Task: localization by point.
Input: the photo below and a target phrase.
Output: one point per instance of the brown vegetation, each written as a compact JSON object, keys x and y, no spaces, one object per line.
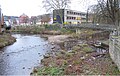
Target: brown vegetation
{"x":6,"y":39}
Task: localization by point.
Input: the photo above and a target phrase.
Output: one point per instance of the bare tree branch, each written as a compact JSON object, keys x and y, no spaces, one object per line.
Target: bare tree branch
{"x":56,"y":5}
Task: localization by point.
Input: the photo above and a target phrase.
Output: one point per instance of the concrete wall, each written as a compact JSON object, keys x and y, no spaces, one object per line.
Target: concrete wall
{"x":114,"y":49}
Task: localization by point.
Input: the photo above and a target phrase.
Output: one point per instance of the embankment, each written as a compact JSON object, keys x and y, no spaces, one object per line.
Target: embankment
{"x":6,"y":39}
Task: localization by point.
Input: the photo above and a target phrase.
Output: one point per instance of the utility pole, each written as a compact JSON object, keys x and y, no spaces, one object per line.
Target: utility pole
{"x":118,"y":1}
{"x":0,"y":18}
{"x":87,"y":15}
{"x":117,"y":23}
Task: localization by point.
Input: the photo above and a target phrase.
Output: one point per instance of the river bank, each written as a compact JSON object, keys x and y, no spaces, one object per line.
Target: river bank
{"x":6,"y":39}
{"x":76,"y":57}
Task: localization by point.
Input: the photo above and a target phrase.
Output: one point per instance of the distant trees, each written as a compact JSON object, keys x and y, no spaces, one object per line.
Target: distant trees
{"x":107,"y":11}
{"x":97,"y":14}
{"x":45,"y":18}
{"x":33,"y":20}
{"x":56,"y":4}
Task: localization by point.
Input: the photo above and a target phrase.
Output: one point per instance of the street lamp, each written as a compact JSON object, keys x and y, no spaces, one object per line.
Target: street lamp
{"x":119,"y":3}
{"x":0,"y":17}
{"x":117,"y":23}
{"x":87,"y":15}
{"x":118,"y":17}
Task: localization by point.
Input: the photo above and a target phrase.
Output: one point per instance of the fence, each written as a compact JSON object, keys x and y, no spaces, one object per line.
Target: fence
{"x":93,"y":26}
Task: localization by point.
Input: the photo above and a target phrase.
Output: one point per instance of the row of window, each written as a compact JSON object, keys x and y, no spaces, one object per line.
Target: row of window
{"x":72,"y":22}
{"x":73,"y":18}
{"x":75,"y":13}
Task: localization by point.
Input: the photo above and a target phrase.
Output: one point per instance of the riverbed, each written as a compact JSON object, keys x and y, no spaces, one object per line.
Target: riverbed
{"x":21,"y":57}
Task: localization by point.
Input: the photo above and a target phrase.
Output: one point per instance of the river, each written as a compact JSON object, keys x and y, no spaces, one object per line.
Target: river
{"x":22,"y":56}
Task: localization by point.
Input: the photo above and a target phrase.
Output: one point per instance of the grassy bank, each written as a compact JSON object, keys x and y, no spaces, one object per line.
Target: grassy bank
{"x":42,"y":29}
{"x":6,"y":39}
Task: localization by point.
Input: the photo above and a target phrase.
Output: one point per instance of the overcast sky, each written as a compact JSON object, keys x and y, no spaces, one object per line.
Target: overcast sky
{"x":34,"y":7}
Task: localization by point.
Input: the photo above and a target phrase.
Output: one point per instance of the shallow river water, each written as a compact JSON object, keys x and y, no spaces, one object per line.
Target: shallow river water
{"x":22,"y":56}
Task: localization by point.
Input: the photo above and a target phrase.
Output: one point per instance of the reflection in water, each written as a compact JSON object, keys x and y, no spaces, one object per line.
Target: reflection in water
{"x":23,"y":55}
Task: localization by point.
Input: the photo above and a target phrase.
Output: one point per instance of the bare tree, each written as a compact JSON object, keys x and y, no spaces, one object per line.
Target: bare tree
{"x":110,"y":9}
{"x":107,"y":10}
{"x":56,"y":4}
{"x":97,"y":14}
{"x":45,"y":18}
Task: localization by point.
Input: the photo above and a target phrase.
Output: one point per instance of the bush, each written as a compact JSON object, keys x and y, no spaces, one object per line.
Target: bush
{"x":52,"y":27}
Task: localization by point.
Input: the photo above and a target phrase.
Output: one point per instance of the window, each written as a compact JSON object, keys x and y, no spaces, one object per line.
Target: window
{"x":83,"y":18}
{"x":73,"y":13}
{"x":74,"y":18}
{"x":68,"y":12}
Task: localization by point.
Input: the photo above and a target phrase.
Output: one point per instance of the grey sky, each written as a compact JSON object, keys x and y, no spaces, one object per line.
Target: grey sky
{"x":34,"y":7}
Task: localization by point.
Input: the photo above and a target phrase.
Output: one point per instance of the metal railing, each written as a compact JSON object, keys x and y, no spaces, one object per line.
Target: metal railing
{"x":93,"y":26}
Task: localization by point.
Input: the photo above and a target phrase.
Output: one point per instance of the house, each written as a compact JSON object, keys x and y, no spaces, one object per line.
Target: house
{"x":24,"y":19}
{"x":14,"y":20}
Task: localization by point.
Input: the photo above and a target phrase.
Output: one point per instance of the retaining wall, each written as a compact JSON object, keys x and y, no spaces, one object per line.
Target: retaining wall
{"x":114,"y":49}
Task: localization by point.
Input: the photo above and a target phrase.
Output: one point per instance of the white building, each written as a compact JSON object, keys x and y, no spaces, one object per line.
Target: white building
{"x":68,"y":16}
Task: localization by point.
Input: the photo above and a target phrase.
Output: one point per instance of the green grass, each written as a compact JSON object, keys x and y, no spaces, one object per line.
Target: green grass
{"x":87,"y":49}
{"x":50,"y":71}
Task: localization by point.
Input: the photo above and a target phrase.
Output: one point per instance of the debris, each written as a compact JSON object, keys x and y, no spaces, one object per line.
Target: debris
{"x":82,"y":58}
{"x":93,"y":58}
{"x":23,"y":67}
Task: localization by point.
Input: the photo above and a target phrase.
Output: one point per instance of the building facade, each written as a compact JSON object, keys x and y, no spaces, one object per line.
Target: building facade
{"x":14,"y":20}
{"x":24,"y":19}
{"x":67,"y":16}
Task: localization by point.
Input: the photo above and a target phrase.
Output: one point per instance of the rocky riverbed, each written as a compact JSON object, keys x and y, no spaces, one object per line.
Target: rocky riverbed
{"x":76,"y":58}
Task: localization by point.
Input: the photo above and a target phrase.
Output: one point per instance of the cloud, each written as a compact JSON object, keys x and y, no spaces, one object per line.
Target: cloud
{"x":82,"y":5}
{"x":17,"y":7}
{"x":33,"y":7}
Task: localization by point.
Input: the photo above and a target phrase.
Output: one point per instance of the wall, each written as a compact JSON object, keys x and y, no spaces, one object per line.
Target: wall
{"x":114,"y":49}
{"x":57,"y":14}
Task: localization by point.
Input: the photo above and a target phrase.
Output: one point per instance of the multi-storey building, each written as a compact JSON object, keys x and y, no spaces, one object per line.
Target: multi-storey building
{"x":67,"y":16}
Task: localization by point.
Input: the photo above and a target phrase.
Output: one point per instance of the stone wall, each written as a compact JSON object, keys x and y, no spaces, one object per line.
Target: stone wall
{"x":114,"y":49}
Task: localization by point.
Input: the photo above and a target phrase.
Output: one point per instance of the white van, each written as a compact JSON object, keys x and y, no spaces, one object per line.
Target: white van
{"x":7,"y":25}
